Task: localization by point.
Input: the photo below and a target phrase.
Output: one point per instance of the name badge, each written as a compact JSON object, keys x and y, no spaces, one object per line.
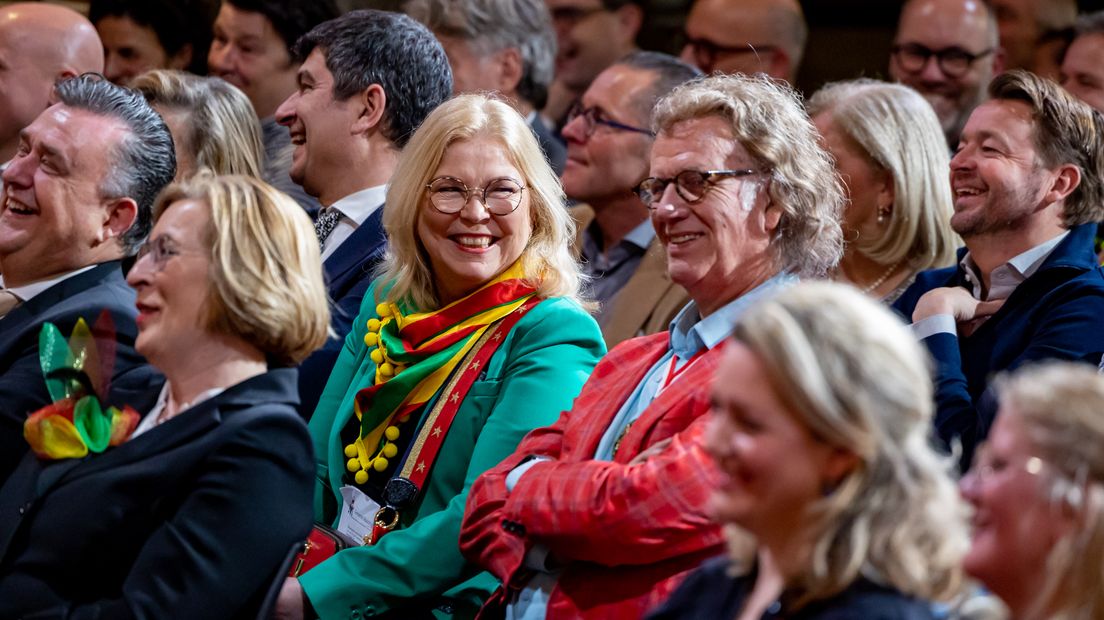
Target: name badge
{"x":358,"y":512}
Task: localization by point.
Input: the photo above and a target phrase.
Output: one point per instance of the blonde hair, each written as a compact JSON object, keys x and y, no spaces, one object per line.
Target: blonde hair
{"x":1061,"y":406}
{"x":224,"y":133}
{"x":768,"y":120}
{"x":266,"y":282}
{"x":547,"y":261}
{"x":851,"y":372}
{"x":898,"y":131}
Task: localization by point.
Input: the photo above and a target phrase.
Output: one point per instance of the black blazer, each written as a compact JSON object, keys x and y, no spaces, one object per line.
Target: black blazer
{"x":349,"y":271}
{"x":190,"y":520}
{"x":22,"y":387}
{"x":554,"y":150}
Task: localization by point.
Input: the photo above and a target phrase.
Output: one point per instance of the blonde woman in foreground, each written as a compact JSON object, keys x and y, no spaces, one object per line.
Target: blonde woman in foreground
{"x":821,"y":417}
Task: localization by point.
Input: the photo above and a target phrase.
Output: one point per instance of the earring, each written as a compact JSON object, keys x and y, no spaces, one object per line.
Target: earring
{"x":883,"y":214}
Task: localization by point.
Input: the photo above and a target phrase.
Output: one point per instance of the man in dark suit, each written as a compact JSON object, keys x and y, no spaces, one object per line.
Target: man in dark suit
{"x":502,"y":46}
{"x":77,"y":199}
{"x":1027,"y":192}
{"x":366,"y":81}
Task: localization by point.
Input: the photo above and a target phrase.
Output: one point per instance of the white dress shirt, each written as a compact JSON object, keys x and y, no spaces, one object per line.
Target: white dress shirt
{"x":355,"y":209}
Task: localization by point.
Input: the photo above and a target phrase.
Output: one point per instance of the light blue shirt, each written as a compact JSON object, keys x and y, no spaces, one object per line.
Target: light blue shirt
{"x":690,"y":334}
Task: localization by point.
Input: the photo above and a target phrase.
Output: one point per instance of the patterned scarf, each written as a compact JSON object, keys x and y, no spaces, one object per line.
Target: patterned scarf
{"x":415,"y":353}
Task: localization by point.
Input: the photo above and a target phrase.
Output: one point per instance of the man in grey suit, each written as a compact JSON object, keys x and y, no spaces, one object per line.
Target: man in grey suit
{"x":77,"y":200}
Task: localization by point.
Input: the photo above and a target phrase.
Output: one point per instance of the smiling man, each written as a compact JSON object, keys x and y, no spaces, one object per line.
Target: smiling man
{"x":77,"y":199}
{"x":367,"y":80}
{"x":252,"y":49}
{"x":600,"y":515}
{"x":1027,"y":193}
{"x":608,"y":143}
{"x":947,"y":50}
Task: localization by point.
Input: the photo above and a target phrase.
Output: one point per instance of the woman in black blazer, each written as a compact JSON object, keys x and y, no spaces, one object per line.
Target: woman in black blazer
{"x":192,"y":514}
{"x":838,"y":506}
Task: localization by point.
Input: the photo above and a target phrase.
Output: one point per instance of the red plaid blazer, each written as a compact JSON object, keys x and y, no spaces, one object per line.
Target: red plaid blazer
{"x":625,"y":533}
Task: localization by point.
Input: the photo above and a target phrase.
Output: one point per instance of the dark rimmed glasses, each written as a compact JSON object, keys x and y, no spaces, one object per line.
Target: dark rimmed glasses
{"x":500,"y":196}
{"x":592,"y":117}
{"x":706,"y":52}
{"x":952,"y":61}
{"x":691,"y":185}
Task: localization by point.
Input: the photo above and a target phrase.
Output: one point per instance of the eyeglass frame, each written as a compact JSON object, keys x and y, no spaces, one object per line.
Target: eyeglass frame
{"x":470,"y":191}
{"x":704,"y":48}
{"x":709,"y":178}
{"x":899,"y":49}
{"x":591,"y":120}
{"x":159,"y":253}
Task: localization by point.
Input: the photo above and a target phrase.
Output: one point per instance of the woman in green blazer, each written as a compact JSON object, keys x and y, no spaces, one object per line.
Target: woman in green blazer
{"x":478,"y":235}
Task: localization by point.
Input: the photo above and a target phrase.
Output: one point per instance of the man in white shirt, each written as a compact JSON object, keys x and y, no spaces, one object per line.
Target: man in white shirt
{"x":77,"y":199}
{"x":1027,"y":193}
{"x":366,"y":81}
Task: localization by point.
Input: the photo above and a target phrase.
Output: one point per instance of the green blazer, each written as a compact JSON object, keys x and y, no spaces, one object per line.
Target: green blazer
{"x":534,"y":375}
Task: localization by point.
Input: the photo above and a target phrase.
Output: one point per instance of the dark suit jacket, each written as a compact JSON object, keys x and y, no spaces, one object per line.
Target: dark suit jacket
{"x":710,"y":592}
{"x":22,"y":387}
{"x":554,"y":150}
{"x":349,"y":271}
{"x":1057,"y":313}
{"x":190,"y":520}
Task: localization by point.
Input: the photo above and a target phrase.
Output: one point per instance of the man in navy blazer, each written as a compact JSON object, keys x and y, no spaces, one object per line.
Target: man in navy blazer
{"x":68,"y":216}
{"x":366,"y":81}
{"x":1028,"y":187}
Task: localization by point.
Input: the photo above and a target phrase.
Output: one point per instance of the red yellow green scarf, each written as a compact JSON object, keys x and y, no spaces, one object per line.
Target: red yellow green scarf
{"x":414,"y":353}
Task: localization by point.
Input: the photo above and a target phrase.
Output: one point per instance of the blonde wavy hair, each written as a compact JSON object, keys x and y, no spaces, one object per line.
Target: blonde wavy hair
{"x":266,"y":283}
{"x":1060,"y":405}
{"x":546,"y":261}
{"x":899,"y":132}
{"x":223,"y":133}
{"x":768,"y":119}
{"x":850,"y":371}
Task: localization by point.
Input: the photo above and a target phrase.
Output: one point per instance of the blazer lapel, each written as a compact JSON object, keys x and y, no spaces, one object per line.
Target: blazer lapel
{"x":635,"y":301}
{"x":678,"y":393}
{"x":367,"y":241}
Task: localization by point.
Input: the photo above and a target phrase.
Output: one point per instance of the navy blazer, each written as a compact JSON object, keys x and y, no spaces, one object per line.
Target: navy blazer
{"x":710,"y":593}
{"x":192,"y":519}
{"x":1057,"y":313}
{"x":22,"y":387}
{"x":349,"y":271}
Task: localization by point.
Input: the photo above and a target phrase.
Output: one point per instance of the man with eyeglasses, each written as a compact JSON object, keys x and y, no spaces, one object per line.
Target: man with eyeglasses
{"x":948,"y":51}
{"x":601,"y":514}
{"x":590,"y":36}
{"x":608,"y":142}
{"x":746,"y":36}
{"x":78,"y":198}
{"x":366,"y":80}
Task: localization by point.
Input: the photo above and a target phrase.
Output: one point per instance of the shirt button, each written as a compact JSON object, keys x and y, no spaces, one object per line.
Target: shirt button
{"x":775,"y":607}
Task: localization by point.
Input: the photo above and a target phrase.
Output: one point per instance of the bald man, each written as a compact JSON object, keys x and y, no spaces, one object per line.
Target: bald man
{"x":948,"y":51}
{"x":746,"y":36}
{"x":39,"y":44}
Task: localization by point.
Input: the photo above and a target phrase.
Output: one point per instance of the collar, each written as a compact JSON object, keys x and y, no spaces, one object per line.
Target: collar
{"x":28,"y":292}
{"x":358,"y":206}
{"x":152,"y":418}
{"x":690,"y":333}
{"x":642,"y":235}
{"x":1018,"y":268}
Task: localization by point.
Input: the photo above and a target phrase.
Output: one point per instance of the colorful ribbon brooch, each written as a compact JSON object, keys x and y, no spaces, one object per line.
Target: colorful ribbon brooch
{"x":78,"y":376}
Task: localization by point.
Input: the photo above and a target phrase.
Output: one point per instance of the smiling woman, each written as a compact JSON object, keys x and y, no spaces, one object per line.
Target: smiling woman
{"x":193,"y":514}
{"x":470,"y":337}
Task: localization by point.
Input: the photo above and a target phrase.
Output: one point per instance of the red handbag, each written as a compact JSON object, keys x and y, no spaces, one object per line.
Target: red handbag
{"x":321,"y":544}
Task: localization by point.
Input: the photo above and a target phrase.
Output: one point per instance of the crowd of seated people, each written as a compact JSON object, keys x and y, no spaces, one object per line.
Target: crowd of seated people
{"x":478,"y":310}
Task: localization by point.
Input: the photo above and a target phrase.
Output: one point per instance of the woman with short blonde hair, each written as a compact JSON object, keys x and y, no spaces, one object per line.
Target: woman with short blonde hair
{"x":820,"y":430}
{"x":1037,"y":488}
{"x":892,"y":155}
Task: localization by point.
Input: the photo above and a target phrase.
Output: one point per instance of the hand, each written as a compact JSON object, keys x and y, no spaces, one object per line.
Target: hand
{"x":653,"y":450}
{"x":955,"y":301}
{"x":289,"y":604}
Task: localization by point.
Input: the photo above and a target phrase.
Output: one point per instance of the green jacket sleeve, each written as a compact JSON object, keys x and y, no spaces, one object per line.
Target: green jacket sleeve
{"x":535,"y":375}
